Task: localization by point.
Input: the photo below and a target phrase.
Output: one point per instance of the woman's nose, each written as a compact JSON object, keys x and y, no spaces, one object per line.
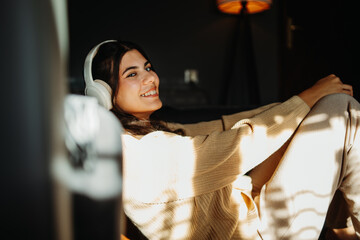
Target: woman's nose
{"x":148,"y":78}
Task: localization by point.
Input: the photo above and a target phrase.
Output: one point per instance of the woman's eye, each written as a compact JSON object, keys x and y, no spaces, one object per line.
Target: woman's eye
{"x":131,"y":75}
{"x":148,"y":69}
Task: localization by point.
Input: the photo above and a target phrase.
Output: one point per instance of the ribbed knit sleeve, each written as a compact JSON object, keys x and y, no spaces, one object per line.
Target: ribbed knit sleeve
{"x":207,"y":127}
{"x":200,"y":128}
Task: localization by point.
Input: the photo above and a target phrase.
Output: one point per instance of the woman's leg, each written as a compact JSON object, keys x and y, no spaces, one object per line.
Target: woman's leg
{"x":323,"y":156}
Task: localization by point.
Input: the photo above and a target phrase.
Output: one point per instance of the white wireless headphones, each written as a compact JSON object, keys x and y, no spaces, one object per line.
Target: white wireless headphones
{"x":96,"y":88}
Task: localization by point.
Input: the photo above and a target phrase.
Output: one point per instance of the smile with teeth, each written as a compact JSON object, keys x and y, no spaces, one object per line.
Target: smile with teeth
{"x":149,"y":93}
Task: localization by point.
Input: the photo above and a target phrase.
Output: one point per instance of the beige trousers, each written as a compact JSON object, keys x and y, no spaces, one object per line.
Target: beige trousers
{"x":298,"y":183}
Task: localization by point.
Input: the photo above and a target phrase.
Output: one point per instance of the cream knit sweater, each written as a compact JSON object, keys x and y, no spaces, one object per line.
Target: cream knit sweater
{"x":193,"y":186}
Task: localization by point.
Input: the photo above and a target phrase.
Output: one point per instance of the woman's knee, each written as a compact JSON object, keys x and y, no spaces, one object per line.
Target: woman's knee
{"x":330,"y":111}
{"x":336,"y":99}
{"x":336,"y":103}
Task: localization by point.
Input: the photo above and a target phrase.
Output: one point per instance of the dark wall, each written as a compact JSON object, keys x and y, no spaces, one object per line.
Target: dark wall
{"x":324,"y":40}
{"x":177,"y":36}
{"x":195,"y":35}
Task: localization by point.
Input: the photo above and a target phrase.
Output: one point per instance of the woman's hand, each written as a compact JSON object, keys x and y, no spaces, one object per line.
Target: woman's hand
{"x":325,"y":86}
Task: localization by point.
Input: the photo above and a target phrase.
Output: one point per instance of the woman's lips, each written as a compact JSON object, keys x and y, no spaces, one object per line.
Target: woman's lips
{"x":150,"y":93}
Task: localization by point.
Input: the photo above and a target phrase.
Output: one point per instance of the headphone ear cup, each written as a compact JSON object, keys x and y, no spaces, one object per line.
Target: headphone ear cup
{"x":101,"y":91}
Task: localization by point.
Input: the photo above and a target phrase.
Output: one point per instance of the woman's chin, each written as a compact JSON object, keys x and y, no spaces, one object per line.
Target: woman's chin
{"x":157,"y":105}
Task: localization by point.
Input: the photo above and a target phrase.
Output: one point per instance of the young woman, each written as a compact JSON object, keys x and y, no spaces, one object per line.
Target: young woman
{"x":268,"y":173}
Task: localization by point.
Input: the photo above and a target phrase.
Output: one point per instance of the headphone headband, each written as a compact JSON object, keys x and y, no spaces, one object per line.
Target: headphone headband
{"x":96,"y":88}
{"x":88,"y":62}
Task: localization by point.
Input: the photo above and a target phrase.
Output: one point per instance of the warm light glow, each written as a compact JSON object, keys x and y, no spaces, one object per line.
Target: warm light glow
{"x":234,"y":6}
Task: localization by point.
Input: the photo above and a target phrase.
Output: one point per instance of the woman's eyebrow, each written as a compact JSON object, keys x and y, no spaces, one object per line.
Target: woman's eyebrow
{"x":129,"y":68}
{"x":135,"y":67}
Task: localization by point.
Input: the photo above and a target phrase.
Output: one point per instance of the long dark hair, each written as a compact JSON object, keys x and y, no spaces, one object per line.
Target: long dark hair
{"x":105,"y":66}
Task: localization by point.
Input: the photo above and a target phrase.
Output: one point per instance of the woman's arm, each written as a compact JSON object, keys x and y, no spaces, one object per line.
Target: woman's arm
{"x":325,"y":86}
{"x":227,"y":121}
{"x":201,"y":128}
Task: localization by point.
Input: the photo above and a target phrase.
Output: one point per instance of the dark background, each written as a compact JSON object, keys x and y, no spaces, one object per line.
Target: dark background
{"x":295,"y":43}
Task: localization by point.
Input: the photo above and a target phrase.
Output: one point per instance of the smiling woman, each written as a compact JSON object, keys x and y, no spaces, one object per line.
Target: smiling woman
{"x":250,"y":175}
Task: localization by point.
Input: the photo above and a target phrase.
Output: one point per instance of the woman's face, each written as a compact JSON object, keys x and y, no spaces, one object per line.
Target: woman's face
{"x":138,"y":91}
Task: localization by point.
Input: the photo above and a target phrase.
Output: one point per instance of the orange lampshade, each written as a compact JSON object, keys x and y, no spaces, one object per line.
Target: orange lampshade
{"x":234,"y":6}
